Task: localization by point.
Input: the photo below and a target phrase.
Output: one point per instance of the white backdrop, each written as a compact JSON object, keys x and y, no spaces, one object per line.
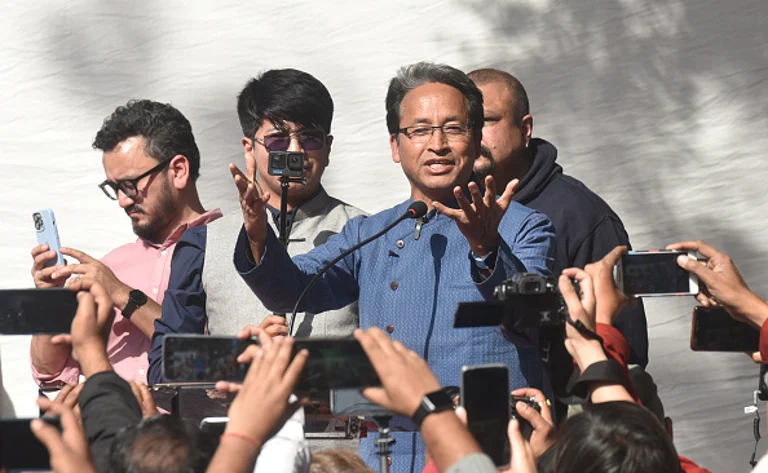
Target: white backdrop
{"x":657,"y":105}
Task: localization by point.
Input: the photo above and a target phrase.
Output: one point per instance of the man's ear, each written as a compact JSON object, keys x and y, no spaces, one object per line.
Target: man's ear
{"x":180,"y":171}
{"x":393,"y":144}
{"x":526,"y":126}
{"x":250,"y":159}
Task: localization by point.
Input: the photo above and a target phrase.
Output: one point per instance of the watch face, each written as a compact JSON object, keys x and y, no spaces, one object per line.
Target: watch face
{"x":438,"y":400}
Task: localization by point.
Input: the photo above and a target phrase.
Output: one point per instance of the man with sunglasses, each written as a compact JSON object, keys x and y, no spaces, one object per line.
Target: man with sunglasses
{"x":151,"y":162}
{"x":281,"y":110}
{"x":410,"y":280}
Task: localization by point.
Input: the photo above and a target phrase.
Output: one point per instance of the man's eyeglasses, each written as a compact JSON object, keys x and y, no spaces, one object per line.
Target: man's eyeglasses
{"x":310,"y":140}
{"x":128,"y":186}
{"x":421,"y":134}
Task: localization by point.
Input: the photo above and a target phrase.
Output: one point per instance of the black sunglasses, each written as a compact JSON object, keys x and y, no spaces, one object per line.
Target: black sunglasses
{"x":128,"y":186}
{"x":312,"y":140}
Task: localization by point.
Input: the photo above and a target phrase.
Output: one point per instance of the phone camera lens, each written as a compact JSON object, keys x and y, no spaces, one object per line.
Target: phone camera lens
{"x":38,"y":222}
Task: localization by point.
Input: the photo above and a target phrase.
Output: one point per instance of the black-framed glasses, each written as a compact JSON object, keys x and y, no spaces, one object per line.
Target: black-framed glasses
{"x":421,"y":134}
{"x":128,"y":186}
{"x":310,"y":140}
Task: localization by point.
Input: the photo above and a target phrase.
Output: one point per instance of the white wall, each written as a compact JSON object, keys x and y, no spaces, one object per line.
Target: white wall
{"x":658,"y":105}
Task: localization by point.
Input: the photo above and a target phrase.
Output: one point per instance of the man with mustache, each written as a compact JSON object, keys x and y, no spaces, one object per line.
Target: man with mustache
{"x":586,"y":227}
{"x":151,"y":162}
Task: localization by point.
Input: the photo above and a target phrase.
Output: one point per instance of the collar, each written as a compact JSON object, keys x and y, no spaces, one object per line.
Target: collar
{"x":174,"y":237}
{"x":313,"y":205}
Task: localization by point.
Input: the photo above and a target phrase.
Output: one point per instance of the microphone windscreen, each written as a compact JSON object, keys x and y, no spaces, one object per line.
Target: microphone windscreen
{"x":417,"y":209}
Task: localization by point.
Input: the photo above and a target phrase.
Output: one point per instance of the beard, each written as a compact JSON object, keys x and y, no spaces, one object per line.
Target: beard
{"x":158,"y":216}
{"x":485,"y":163}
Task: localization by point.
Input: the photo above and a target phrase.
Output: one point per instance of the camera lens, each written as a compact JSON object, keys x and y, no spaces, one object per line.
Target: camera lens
{"x":38,"y":222}
{"x":294,"y":162}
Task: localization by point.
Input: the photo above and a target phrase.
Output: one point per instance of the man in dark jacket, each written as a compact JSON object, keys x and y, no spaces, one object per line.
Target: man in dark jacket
{"x":586,"y":228}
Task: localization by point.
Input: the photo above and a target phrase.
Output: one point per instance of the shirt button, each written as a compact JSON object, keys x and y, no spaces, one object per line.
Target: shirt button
{"x":154,"y":290}
{"x":141,"y":372}
{"x":163,"y":252}
{"x":400,"y":243}
{"x":393,"y":285}
{"x":390,"y":328}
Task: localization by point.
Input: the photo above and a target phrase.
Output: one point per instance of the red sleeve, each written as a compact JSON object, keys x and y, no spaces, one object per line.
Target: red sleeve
{"x":764,"y":342}
{"x":430,"y":468}
{"x":617,"y":348}
{"x":687,"y":466}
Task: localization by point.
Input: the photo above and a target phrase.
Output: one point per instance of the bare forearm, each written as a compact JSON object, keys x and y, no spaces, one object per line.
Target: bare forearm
{"x":48,"y":358}
{"x":233,"y":456}
{"x":753,"y":309}
{"x":447,"y":439}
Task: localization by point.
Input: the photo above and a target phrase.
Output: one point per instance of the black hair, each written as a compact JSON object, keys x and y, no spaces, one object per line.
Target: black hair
{"x":166,"y":131}
{"x":520,"y":106}
{"x":284,"y":95}
{"x":162,"y":444}
{"x":613,"y":437}
{"x":415,"y":75}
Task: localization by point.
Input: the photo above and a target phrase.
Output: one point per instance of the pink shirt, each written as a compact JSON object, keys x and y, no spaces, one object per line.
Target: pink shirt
{"x":144,"y":266}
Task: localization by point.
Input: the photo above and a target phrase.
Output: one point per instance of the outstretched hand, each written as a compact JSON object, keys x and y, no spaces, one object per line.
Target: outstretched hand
{"x":253,"y":202}
{"x":69,"y":449}
{"x":608,"y":298}
{"x":479,"y":220}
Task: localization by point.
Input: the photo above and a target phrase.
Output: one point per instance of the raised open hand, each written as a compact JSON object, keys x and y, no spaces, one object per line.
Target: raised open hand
{"x":253,"y":202}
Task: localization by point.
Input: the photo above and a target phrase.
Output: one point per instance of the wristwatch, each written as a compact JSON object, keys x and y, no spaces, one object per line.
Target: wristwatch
{"x":485,"y":262}
{"x":136,"y":299}
{"x":431,"y":403}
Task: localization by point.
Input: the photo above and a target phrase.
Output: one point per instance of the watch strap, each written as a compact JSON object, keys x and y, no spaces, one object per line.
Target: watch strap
{"x":437,"y":401}
{"x":136,"y":299}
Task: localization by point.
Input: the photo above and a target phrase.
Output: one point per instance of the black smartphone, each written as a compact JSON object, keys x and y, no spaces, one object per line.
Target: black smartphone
{"x":713,"y":329}
{"x":37,"y":311}
{"x":20,"y":449}
{"x":334,"y":363}
{"x":485,"y":396}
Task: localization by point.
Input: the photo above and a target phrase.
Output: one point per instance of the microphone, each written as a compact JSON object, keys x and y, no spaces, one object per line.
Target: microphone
{"x":416,"y":210}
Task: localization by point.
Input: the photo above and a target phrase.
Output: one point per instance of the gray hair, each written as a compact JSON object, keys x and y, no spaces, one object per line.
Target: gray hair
{"x":415,"y":75}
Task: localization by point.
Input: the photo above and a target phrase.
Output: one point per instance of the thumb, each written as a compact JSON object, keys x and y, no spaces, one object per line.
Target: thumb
{"x":461,"y":413}
{"x":49,"y":436}
{"x":516,"y":441}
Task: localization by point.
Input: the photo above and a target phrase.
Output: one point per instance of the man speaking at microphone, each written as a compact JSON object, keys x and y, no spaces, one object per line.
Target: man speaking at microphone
{"x":409,"y":281}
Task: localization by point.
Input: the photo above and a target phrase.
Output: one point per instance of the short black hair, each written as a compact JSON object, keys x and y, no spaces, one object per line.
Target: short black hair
{"x":162,"y":444}
{"x":415,"y":75}
{"x":614,"y":436}
{"x":520,"y":106}
{"x":284,"y":95}
{"x":166,"y":131}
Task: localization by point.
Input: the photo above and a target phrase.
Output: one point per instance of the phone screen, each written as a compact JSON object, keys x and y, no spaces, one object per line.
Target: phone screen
{"x":201,"y":359}
{"x":332,"y":363}
{"x":485,"y":396}
{"x":20,"y":449}
{"x":716,"y":330}
{"x":37,"y":311}
{"x":654,"y":273}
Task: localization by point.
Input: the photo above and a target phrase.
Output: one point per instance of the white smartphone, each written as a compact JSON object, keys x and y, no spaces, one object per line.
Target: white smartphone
{"x":655,"y":273}
{"x":47,"y":233}
{"x":214,"y":425}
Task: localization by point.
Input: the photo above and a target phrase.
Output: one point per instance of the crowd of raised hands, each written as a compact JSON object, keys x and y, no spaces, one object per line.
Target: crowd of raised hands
{"x":264,"y":400}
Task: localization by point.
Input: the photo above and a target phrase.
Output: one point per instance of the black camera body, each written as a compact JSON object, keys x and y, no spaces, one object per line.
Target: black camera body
{"x":286,"y":164}
{"x":532,"y":300}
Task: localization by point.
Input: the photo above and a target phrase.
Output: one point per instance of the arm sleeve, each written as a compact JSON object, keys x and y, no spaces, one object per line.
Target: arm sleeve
{"x":69,"y":374}
{"x":107,"y":406}
{"x":532,"y":250}
{"x":606,"y":235}
{"x":277,"y":280}
{"x":184,"y":301}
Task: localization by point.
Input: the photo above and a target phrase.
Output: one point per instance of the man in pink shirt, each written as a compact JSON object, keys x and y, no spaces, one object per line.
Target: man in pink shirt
{"x":151,"y":162}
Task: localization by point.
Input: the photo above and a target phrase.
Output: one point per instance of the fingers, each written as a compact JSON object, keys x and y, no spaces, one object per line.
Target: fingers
{"x":49,"y":436}
{"x":377,"y":396}
{"x":704,"y":249}
{"x":249,"y":331}
{"x":756,"y":357}
{"x":39,"y":249}
{"x":696,"y":267}
{"x":585,"y":286}
{"x":516,"y":441}
{"x":509,"y":193}
{"x":228,"y":387}
{"x":73,"y":393}
{"x":62,"y":339}
{"x":537,"y":420}
{"x":250,"y":353}
{"x":613,"y":256}
{"x":478,"y":200}
{"x":78,"y":255}
{"x":292,"y":374}
{"x":464,"y":204}
{"x":67,"y":271}
{"x":490,"y":191}
{"x":39,"y":259}
{"x":569,"y":293}
{"x":148,"y":405}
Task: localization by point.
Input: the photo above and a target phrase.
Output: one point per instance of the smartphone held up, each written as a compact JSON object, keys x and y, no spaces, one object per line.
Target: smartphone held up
{"x":655,"y":273}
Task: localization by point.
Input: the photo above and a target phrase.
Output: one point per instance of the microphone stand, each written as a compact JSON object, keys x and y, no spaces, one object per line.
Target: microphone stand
{"x":285,"y":183}
{"x":384,"y":442}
